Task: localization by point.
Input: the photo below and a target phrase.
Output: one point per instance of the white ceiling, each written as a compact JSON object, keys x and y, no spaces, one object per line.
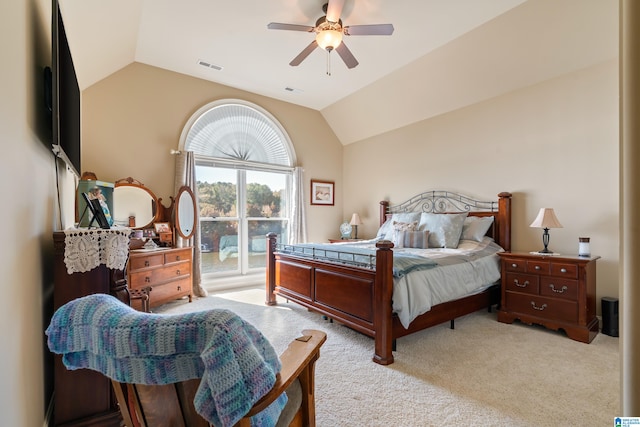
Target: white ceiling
{"x":434,"y":38}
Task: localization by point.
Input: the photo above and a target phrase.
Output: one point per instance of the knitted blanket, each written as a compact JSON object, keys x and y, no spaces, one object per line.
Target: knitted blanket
{"x":237,"y":364}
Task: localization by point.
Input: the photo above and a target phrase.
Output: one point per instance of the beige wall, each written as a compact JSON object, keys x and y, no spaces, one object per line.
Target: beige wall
{"x":133,"y":118}
{"x":554,"y":144}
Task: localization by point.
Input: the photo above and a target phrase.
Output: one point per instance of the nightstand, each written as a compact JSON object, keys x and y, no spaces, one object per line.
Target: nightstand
{"x":558,"y":292}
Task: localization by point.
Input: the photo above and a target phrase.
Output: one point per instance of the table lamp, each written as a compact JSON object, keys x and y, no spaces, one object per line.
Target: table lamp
{"x":355,"y":221}
{"x":546,"y":219}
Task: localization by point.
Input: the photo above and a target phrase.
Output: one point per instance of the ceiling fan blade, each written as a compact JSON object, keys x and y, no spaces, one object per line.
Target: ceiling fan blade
{"x":369,"y":30}
{"x":334,"y":9}
{"x":302,"y":55}
{"x":346,"y":55}
{"x":292,"y":27}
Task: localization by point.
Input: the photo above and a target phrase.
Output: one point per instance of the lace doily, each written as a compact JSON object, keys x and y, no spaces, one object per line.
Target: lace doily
{"x":87,"y":248}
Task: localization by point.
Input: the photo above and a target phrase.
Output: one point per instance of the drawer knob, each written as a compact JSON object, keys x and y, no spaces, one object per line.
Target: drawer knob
{"x":177,"y":257}
{"x":537,"y":267}
{"x":147,"y":279}
{"x":562,"y":290}
{"x":563,"y":270}
{"x":179,"y":287}
{"x":514,"y":265}
{"x":177,"y":272}
{"x":521,"y":285}
{"x":146,"y":263}
{"x":535,"y":307}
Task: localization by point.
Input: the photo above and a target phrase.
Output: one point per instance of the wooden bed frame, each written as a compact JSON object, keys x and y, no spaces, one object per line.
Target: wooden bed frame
{"x":361,"y":297}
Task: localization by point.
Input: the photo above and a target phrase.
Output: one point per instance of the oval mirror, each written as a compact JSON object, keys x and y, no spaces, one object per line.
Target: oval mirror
{"x":134,"y":205}
{"x":185,"y":218}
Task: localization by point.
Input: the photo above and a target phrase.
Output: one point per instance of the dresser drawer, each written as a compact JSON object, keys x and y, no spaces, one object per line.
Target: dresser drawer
{"x":527,"y":283}
{"x":166,"y":272}
{"x":177,"y":256}
{"x":543,"y":307}
{"x":140,"y":279}
{"x":557,"y":287}
{"x":137,"y":263}
{"x":169,"y":291}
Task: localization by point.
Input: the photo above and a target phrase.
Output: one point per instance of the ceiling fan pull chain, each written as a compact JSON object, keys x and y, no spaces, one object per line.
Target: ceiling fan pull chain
{"x":328,"y":62}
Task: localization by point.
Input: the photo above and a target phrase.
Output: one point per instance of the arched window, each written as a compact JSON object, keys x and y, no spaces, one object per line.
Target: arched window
{"x":244,"y":167}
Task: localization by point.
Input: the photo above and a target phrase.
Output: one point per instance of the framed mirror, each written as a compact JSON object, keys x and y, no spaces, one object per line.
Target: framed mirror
{"x":185,"y":212}
{"x":134,"y":204}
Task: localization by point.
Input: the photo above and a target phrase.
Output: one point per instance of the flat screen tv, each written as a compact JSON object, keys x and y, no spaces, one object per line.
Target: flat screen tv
{"x":64,"y":96}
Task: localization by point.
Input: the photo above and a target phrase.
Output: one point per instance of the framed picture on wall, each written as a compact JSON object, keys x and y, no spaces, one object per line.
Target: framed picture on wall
{"x":322,"y":192}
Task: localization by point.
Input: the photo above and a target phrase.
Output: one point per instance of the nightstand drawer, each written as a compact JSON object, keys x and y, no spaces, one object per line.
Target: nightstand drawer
{"x":526,"y":283}
{"x":558,"y":287}
{"x":538,"y":267}
{"x":516,"y":265}
{"x":546,"y":308}
{"x":570,"y":271}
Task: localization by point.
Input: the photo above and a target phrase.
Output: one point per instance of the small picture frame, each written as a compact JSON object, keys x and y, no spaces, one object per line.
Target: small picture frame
{"x":322,"y":192}
{"x":161,"y":227}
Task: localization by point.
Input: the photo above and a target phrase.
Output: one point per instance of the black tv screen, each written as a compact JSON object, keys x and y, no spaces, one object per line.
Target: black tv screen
{"x":65,"y":96}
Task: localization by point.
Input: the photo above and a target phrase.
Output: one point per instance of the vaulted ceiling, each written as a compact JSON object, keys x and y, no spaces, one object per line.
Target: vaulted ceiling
{"x":442,"y":55}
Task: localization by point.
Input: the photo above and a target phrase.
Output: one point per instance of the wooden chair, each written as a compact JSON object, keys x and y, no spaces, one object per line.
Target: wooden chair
{"x":171,"y":405}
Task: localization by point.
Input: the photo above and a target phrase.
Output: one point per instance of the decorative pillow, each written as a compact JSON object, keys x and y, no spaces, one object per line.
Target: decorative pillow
{"x":411,"y":239}
{"x":444,"y":229}
{"x":475,"y":227}
{"x":386,"y":230}
{"x":405,"y":226}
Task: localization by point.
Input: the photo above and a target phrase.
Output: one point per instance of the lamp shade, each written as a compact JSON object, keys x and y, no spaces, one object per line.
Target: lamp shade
{"x":546,"y":219}
{"x":355,"y":219}
{"x":329,"y":39}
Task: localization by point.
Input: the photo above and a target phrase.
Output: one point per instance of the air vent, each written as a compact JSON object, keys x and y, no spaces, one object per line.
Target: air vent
{"x":209,"y":65}
{"x":293,"y":90}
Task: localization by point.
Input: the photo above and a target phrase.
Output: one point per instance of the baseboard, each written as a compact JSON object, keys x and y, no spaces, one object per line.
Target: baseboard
{"x":233,"y":282}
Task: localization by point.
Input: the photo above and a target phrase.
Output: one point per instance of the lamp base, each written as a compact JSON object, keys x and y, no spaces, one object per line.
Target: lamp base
{"x":545,"y":251}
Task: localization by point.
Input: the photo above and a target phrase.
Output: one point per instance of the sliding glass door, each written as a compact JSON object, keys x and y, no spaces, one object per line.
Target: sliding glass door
{"x":238,"y":207}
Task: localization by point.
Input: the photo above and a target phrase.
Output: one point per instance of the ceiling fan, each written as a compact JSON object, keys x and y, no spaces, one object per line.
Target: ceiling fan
{"x":329,"y":32}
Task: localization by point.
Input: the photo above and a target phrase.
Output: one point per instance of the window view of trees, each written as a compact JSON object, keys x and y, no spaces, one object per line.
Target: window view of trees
{"x":221,"y":221}
{"x":218,"y":199}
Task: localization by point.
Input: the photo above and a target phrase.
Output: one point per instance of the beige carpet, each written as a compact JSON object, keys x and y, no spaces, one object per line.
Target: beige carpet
{"x":483,"y":373}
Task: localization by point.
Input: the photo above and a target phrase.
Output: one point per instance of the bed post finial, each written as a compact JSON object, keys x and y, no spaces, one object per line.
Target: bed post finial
{"x":384,"y":207}
{"x":504,"y":211}
{"x":271,"y":269}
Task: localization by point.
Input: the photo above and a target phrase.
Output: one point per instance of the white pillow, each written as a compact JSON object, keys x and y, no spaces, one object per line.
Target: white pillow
{"x":444,"y":229}
{"x":475,"y":227}
{"x":386,"y":230}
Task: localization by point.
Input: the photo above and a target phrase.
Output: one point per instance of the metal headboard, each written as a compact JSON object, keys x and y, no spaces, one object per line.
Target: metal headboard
{"x":443,"y":201}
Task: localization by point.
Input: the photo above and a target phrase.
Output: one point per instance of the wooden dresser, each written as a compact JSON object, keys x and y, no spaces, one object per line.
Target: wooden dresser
{"x":83,"y":397}
{"x":167,"y":272}
{"x":558,"y":292}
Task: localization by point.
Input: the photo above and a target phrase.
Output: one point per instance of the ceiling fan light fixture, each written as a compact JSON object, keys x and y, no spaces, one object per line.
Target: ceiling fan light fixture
{"x":329,"y":39}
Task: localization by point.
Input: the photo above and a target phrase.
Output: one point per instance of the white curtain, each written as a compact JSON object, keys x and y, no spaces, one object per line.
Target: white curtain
{"x":186,"y":175}
{"x":298,"y":225}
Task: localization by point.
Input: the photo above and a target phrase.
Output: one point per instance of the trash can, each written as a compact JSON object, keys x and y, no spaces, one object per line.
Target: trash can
{"x":610,"y":316}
